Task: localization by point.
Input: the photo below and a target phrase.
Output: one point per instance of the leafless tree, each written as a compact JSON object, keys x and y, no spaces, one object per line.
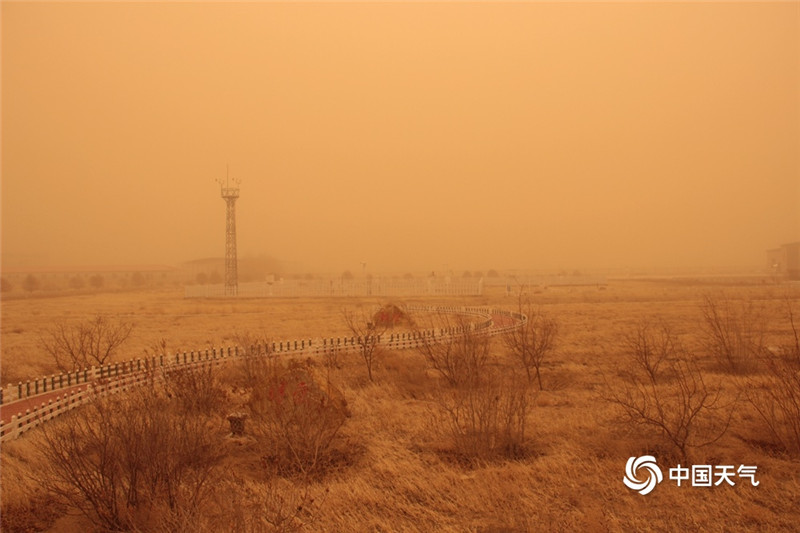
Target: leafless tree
{"x":533,"y":340}
{"x":665,"y":390}
{"x":649,"y":347}
{"x":734,"y":333}
{"x":775,"y":395}
{"x":366,"y":334}
{"x":74,"y":346}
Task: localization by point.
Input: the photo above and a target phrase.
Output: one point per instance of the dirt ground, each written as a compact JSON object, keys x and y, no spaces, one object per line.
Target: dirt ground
{"x":398,"y":480}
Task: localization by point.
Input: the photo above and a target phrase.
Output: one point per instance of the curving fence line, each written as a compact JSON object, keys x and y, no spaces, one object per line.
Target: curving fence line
{"x":37,"y":401}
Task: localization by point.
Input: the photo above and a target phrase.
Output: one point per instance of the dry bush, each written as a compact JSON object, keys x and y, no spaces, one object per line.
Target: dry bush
{"x":196,"y":389}
{"x":392,"y":315}
{"x":734,"y":333}
{"x":483,"y":408}
{"x":367,"y":335}
{"x":533,"y":341}
{"x":254,"y":349}
{"x":776,"y":395}
{"x":296,"y":418}
{"x":459,"y":358}
{"x":486,"y":418}
{"x":122,"y":459}
{"x":666,"y":391}
{"x":81,"y":345}
{"x":331,"y":357}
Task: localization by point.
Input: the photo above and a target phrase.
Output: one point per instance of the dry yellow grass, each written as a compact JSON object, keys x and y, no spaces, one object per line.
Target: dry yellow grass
{"x":398,"y":479}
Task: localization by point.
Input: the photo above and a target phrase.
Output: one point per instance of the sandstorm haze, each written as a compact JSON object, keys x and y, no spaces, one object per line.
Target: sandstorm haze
{"x":410,"y":136}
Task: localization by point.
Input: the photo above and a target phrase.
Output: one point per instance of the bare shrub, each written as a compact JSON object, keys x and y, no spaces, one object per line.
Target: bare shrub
{"x":533,"y":340}
{"x":484,"y":408}
{"x":367,"y":335}
{"x":297,"y":419}
{"x":331,"y":357}
{"x":776,"y":395}
{"x":197,"y":389}
{"x":734,"y":333}
{"x":121,"y":458}
{"x":392,"y":315}
{"x":254,"y":350}
{"x":459,"y":358}
{"x":665,"y":390}
{"x":80,"y":345}
{"x":486,"y":418}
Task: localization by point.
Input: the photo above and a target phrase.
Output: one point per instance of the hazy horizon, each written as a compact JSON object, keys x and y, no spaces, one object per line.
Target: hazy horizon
{"x":413,"y":137}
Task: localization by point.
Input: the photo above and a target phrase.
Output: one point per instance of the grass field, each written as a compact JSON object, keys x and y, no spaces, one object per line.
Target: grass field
{"x":397,"y":475}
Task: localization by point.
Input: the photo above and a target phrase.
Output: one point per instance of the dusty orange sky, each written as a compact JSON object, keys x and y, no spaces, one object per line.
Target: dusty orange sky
{"x":409,"y":136}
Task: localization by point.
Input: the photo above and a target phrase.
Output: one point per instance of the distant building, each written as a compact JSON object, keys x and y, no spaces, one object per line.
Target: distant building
{"x":785,"y":261}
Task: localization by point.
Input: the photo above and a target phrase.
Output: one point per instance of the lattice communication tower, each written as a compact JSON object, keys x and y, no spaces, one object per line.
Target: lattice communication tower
{"x":230,"y":192}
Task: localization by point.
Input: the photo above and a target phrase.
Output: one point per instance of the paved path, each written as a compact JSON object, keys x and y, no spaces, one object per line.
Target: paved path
{"x":20,"y":406}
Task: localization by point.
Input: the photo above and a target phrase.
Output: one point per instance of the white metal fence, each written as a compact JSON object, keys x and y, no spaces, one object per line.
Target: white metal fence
{"x":78,"y":387}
